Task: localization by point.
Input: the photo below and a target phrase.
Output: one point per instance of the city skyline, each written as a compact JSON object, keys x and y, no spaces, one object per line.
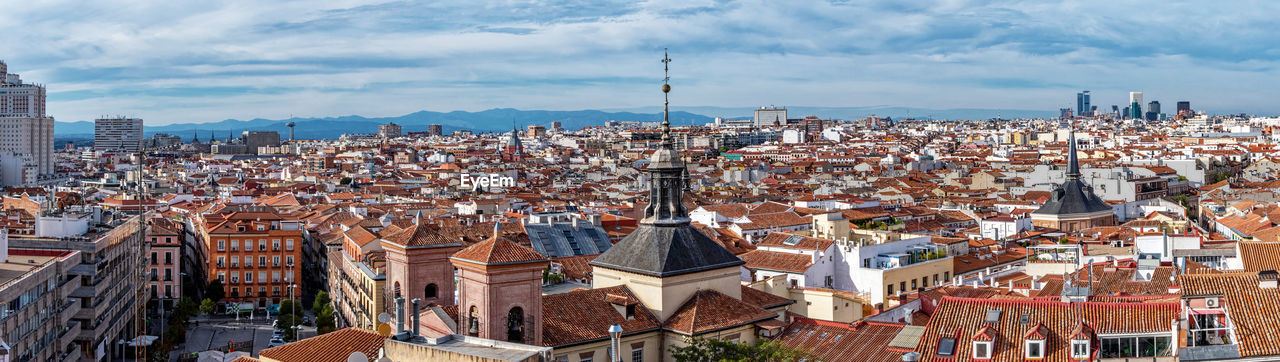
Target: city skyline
{"x":209,"y":62}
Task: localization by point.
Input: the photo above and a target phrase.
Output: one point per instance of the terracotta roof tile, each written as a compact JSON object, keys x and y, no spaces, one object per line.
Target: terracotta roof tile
{"x":709,"y":310}
{"x":830,"y":341}
{"x":499,"y":250}
{"x":1252,"y":309}
{"x":964,"y":318}
{"x":585,"y":315}
{"x":332,"y":346}
{"x":777,"y":261}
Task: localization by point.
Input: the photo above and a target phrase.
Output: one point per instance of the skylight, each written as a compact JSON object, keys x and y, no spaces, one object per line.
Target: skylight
{"x":792,"y":240}
{"x":946,"y":346}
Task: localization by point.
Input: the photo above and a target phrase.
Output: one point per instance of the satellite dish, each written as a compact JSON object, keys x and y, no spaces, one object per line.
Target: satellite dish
{"x":357,"y":356}
{"x":384,"y":329}
{"x":384,"y":318}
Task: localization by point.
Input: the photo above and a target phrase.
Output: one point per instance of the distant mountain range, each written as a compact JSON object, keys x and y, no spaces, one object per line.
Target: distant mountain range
{"x":501,"y":119}
{"x":493,"y":120}
{"x":848,"y":113}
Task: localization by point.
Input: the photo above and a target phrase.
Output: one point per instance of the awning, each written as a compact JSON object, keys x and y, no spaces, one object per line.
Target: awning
{"x":771,"y":324}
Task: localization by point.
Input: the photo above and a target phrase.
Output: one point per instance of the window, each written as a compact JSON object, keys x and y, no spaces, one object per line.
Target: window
{"x":248,"y":278}
{"x":982,"y":350}
{"x":275,"y":245}
{"x":562,"y":358}
{"x":1142,"y":346}
{"x":430,"y":291}
{"x":222,"y":245}
{"x":235,"y":245}
{"x":914,"y":285}
{"x":1080,"y":349}
{"x":902,"y":287}
{"x":262,"y":260}
{"x":946,"y":275}
{"x":168,"y":275}
{"x":235,"y":262}
{"x":235,"y":292}
{"x":262,"y":245}
{"x":153,"y":258}
{"x":637,"y":352}
{"x":275,"y":260}
{"x":222,"y":276}
{"x":168,"y":257}
{"x":222,"y":261}
{"x":261,"y":227}
{"x":890,"y":291}
{"x":946,"y":346}
{"x":288,"y":260}
{"x":866,"y":263}
{"x":1035,"y":349}
{"x":288,"y":244}
{"x":935,"y":278}
{"x":586,"y":356}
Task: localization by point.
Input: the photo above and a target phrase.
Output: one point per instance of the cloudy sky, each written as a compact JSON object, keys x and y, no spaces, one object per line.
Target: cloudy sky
{"x":200,"y":61}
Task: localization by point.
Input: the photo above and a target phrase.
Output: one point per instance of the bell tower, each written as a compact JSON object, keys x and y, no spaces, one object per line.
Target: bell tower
{"x":500,"y":290}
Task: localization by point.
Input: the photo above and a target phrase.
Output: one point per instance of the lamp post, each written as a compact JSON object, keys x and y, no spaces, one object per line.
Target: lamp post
{"x":615,"y":343}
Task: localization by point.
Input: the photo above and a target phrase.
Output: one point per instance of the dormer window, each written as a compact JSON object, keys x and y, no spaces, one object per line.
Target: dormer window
{"x":1034,"y":349}
{"x":1080,"y":349}
{"x":982,"y":350}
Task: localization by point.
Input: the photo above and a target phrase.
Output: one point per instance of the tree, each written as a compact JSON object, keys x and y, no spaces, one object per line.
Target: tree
{"x":214,"y":291}
{"x":345,"y":181}
{"x":324,"y":320}
{"x":714,"y":350}
{"x":322,"y":299}
{"x":291,"y":313}
{"x":207,"y":306}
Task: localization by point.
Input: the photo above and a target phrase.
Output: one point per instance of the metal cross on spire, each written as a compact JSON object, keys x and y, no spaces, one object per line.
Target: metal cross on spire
{"x":666,"y":101}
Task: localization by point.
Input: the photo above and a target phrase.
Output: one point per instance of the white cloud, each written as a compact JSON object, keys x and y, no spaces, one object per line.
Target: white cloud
{"x":152,"y":59}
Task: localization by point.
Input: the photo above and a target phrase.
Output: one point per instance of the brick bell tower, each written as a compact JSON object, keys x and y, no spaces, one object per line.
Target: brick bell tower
{"x":500,"y":290}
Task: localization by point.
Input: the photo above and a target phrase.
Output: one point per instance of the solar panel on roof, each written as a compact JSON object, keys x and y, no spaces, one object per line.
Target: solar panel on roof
{"x":792,"y":240}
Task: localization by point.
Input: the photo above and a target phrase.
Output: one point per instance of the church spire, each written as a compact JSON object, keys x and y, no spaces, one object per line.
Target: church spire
{"x":1073,"y":165}
{"x":666,"y":171}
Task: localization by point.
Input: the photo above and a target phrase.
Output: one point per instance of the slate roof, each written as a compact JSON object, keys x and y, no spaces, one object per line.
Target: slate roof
{"x":663,"y":251}
{"x":1073,"y":197}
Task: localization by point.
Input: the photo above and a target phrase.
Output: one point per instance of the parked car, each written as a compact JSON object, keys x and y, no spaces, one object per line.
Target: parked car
{"x":306,"y":321}
{"x":275,"y":342}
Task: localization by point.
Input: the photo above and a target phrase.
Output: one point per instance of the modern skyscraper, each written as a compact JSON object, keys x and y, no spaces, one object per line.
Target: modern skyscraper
{"x":26,"y":131}
{"x":1082,"y":104}
{"x":1153,"y":110}
{"x":118,"y":134}
{"x":435,"y":130}
{"x":1184,"y":106}
{"x":1135,"y":105}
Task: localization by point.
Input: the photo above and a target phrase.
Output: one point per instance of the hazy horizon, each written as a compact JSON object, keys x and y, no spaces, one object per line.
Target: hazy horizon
{"x":206,"y":62}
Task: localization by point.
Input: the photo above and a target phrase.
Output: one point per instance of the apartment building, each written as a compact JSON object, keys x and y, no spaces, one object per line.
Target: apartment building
{"x":36,"y":306}
{"x":120,"y":134}
{"x":110,"y":292}
{"x":164,"y":277}
{"x":26,"y":132}
{"x":255,"y":252}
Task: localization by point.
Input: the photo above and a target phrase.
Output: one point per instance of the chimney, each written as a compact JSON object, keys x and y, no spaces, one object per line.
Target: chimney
{"x":907,"y":317}
{"x":1267,"y":279}
{"x":399,"y":315}
{"x":4,"y":245}
{"x":415,"y":317}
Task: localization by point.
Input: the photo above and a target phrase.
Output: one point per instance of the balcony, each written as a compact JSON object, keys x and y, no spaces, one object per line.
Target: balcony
{"x":68,"y":309}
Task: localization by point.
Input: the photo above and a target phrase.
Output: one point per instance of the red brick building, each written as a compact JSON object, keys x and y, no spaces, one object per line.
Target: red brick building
{"x":255,"y":252}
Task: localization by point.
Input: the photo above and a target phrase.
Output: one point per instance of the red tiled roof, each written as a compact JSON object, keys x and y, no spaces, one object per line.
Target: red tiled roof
{"x":584,"y":315}
{"x":830,"y":341}
{"x":1253,"y":309}
{"x":762,"y":299}
{"x":332,"y":346}
{"x":1259,"y":256}
{"x":709,"y":310}
{"x":499,"y":250}
{"x":777,"y":261}
{"x":963,"y":318}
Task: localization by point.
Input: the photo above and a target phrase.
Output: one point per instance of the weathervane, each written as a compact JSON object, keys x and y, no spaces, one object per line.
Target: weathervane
{"x":666,"y":101}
